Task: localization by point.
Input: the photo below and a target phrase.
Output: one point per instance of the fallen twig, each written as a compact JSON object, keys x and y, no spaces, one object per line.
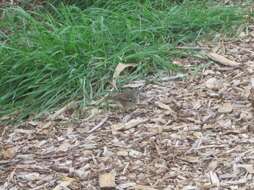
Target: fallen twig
{"x":192,"y":48}
{"x":99,"y":125}
{"x":222,"y":60}
{"x":63,"y":109}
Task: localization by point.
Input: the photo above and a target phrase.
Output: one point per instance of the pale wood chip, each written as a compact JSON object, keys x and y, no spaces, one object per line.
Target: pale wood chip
{"x":225,"y":108}
{"x":248,"y":167}
{"x":213,"y":83}
{"x":142,"y":187}
{"x":64,"y":183}
{"x":214,"y":178}
{"x":107,"y":180}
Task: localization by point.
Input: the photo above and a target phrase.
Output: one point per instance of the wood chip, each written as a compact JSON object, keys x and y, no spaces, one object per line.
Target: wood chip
{"x":64,"y":183}
{"x":164,"y":106}
{"x":107,"y":181}
{"x":129,"y":125}
{"x":248,"y":167}
{"x":168,"y":108}
{"x":214,"y":178}
{"x":225,"y":108}
{"x":142,"y":187}
{"x":123,"y":153}
{"x":213,"y":84}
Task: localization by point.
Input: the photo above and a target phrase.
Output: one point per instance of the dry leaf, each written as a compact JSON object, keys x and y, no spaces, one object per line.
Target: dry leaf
{"x":119,"y":68}
{"x":222,"y":60}
{"x":225,"y":108}
{"x":107,"y":181}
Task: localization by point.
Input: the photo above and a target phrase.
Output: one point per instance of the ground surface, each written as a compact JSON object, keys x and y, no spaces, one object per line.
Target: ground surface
{"x":187,"y":134}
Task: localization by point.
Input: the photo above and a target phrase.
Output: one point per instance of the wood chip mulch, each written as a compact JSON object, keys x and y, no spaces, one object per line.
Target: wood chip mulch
{"x":190,"y":134}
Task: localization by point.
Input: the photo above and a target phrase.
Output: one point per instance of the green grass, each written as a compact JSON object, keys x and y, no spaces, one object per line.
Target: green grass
{"x":48,"y":58}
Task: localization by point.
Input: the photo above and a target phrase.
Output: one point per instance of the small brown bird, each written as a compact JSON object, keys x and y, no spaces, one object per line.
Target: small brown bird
{"x":126,"y":98}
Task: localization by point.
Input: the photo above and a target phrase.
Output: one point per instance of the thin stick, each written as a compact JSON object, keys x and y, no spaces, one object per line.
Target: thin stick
{"x":99,"y":125}
{"x":176,"y":77}
{"x":63,"y":109}
{"x":193,"y":48}
{"x":222,"y":60}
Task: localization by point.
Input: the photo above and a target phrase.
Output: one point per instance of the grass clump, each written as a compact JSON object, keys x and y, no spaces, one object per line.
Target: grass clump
{"x":50,"y":57}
